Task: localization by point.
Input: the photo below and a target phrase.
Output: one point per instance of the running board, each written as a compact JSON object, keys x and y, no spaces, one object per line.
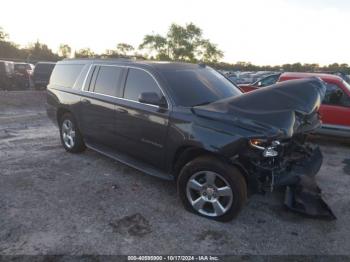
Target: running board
{"x":127,"y":160}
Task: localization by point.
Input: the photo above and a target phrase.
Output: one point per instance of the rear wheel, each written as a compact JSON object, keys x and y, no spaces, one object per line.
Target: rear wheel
{"x":71,"y":137}
{"x":212,"y":188}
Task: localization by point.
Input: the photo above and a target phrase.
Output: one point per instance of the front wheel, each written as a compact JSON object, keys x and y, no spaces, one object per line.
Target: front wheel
{"x":212,"y":188}
{"x":71,"y":138}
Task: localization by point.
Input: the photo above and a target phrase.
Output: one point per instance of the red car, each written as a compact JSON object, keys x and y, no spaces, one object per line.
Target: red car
{"x":335,"y":108}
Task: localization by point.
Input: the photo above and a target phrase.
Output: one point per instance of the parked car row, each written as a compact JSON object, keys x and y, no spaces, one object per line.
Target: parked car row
{"x":247,"y":77}
{"x":22,"y":76}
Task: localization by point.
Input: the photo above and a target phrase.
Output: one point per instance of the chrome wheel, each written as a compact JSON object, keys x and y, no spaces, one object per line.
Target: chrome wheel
{"x":68,"y":133}
{"x":209,"y":193}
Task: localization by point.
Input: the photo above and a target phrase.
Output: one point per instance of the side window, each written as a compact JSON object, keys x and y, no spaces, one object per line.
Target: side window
{"x":335,"y":96}
{"x":138,"y":82}
{"x":65,"y":75}
{"x":107,"y":81}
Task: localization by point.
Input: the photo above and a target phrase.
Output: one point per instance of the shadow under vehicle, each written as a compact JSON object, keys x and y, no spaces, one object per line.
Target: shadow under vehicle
{"x":188,"y":123}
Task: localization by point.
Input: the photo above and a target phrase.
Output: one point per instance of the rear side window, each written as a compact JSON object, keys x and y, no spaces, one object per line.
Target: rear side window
{"x":107,"y":81}
{"x":139,"y":81}
{"x":44,"y":68}
{"x":65,"y":75}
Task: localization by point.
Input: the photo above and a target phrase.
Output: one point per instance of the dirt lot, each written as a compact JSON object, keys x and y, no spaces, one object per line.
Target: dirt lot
{"x":53,"y":202}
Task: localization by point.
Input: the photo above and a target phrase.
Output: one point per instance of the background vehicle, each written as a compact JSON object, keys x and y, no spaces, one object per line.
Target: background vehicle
{"x":6,"y":75}
{"x":335,"y":108}
{"x":23,"y":75}
{"x":189,"y":123}
{"x":265,"y":81}
{"x":42,"y":73}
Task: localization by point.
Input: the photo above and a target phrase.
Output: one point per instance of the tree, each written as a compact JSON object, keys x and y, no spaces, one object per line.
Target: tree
{"x":209,"y":53}
{"x":3,"y":35}
{"x":84,"y":53}
{"x":39,"y":51}
{"x":184,"y":43}
{"x":124,"y":49}
{"x":156,"y":43}
{"x":65,"y":50}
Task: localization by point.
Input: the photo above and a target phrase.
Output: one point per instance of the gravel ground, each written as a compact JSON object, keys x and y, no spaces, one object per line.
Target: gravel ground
{"x":53,"y":202}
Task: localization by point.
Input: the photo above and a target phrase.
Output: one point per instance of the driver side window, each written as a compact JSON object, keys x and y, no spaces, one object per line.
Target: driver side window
{"x":138,"y":81}
{"x":335,"y":96}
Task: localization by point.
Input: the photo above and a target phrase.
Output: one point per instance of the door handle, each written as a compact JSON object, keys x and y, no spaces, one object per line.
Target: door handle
{"x":121,"y":110}
{"x":85,"y":101}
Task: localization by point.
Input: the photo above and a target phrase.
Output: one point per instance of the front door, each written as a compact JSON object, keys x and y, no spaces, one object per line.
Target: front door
{"x":143,"y":127}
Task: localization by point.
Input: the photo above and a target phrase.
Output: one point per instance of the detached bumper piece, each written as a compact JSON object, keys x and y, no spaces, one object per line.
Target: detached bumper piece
{"x":304,"y":196}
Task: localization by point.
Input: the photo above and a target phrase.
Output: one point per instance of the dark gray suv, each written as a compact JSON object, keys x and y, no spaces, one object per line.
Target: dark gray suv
{"x":188,"y":123}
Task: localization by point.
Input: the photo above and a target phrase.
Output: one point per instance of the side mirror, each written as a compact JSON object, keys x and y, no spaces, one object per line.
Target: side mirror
{"x":152,"y":98}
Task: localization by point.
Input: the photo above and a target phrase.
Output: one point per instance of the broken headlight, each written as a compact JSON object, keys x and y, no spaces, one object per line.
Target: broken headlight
{"x":268,"y":148}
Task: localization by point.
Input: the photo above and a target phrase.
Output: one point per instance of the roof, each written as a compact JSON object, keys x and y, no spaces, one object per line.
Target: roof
{"x":294,"y":75}
{"x":46,"y":62}
{"x":158,"y":65}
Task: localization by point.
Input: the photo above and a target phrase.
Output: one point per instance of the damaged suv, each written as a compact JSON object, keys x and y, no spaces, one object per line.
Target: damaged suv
{"x":188,"y":123}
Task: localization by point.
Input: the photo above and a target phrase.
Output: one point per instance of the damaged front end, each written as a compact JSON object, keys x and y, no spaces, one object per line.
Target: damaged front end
{"x":292,"y":163}
{"x":276,"y":121}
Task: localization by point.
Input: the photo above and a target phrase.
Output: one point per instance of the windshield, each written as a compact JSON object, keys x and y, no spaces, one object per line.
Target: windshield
{"x":202,"y":85}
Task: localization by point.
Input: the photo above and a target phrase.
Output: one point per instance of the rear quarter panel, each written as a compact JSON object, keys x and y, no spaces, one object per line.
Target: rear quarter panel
{"x":62,"y":99}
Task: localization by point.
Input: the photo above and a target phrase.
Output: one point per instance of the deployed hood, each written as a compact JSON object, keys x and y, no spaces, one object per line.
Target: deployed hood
{"x":284,"y":109}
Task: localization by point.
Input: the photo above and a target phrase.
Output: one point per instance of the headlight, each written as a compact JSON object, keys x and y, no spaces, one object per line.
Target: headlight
{"x":268,"y":148}
{"x":258,"y":143}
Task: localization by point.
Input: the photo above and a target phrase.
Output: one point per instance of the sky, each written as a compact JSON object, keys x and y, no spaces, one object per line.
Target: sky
{"x":258,"y":31}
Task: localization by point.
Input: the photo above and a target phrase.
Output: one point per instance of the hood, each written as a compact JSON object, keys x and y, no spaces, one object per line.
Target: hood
{"x":282,"y":109}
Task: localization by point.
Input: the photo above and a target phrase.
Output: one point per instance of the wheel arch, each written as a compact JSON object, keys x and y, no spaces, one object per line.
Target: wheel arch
{"x":187,"y":153}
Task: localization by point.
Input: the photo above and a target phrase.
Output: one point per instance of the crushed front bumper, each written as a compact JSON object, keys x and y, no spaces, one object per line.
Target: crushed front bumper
{"x":294,"y":168}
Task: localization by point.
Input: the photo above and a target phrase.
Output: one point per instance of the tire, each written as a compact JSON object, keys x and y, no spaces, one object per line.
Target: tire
{"x":200,"y":195}
{"x":71,"y":138}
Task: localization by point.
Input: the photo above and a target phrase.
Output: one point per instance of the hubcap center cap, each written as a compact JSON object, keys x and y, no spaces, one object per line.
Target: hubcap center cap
{"x":210,"y":191}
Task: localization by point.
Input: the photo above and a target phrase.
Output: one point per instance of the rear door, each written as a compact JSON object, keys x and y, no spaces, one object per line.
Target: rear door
{"x":142,"y":127}
{"x":335,"y":108}
{"x":97,"y":106}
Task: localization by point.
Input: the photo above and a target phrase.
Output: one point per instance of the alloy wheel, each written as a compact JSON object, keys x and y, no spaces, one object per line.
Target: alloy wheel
{"x":209,"y":193}
{"x":68,"y":133}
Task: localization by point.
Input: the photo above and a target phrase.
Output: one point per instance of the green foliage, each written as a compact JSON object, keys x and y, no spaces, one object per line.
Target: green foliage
{"x":39,"y":51}
{"x":124,"y":49}
{"x":84,"y":53}
{"x":158,"y":44}
{"x":3,"y":35}
{"x":65,"y":51}
{"x":182,"y":43}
